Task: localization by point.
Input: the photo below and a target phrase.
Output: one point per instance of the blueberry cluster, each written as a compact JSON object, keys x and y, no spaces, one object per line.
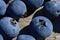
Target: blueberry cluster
{"x":40,"y":26}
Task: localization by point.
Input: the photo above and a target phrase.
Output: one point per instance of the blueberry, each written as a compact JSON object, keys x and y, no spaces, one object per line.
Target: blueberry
{"x":2,"y":7}
{"x":53,"y":8}
{"x":17,"y":9}
{"x":1,"y":37}
{"x":9,"y":26}
{"x":41,"y":27}
{"x":25,"y":37}
{"x":34,"y":3}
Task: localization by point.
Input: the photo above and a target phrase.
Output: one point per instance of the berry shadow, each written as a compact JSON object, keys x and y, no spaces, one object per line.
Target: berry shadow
{"x":46,"y":0}
{"x":7,"y":15}
{"x":1,"y":16}
{"x":8,"y":39}
{"x":6,"y":1}
{"x":55,"y":20}
{"x":30,"y":10}
{"x":57,"y":25}
{"x":27,"y":30}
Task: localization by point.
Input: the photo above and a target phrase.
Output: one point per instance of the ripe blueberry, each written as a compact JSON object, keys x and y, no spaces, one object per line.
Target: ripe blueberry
{"x":41,"y":27}
{"x":25,"y":37}
{"x":9,"y":26}
{"x":17,"y":9}
{"x":53,"y":8}
{"x":2,"y":7}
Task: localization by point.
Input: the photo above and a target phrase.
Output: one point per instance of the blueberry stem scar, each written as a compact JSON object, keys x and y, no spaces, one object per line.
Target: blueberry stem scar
{"x":13,"y":22}
{"x":58,"y":11}
{"x":42,"y":22}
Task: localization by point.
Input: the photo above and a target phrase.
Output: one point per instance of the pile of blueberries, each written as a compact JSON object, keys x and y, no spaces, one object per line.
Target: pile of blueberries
{"x":40,"y":26}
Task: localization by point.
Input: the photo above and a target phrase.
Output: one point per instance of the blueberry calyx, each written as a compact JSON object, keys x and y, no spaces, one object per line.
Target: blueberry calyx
{"x":58,"y":11}
{"x":42,"y":23}
{"x":13,"y":22}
